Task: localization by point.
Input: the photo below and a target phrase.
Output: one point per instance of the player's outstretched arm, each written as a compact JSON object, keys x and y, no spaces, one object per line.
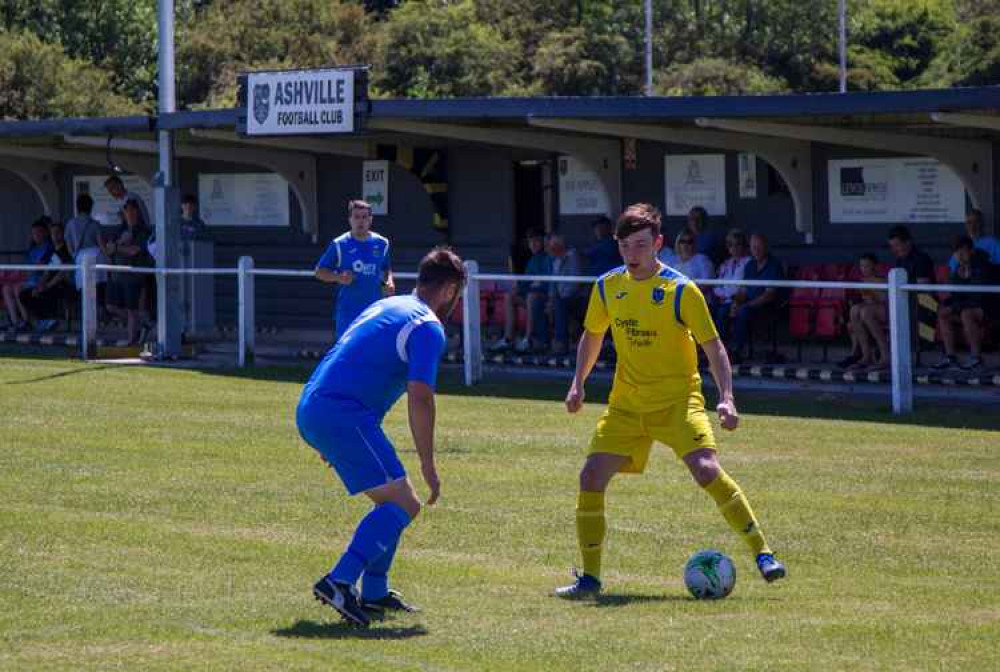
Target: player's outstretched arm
{"x":420,"y":404}
{"x":718,"y":362}
{"x":587,"y":352}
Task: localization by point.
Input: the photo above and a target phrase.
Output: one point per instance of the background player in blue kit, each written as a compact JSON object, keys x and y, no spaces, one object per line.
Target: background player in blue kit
{"x":359,"y":261}
{"x":394,"y":346}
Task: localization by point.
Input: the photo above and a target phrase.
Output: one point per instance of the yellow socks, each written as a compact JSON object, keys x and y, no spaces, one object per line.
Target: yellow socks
{"x":590,"y":530}
{"x":737,"y":512}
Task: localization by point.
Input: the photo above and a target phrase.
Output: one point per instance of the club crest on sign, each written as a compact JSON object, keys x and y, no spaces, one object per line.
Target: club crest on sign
{"x":261,"y":102}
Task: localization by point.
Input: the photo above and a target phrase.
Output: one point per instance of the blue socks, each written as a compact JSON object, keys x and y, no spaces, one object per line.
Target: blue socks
{"x":372,"y":549}
{"x":375,"y":580}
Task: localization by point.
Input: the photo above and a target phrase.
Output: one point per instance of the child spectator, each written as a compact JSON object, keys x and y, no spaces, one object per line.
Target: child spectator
{"x":603,"y":255}
{"x":39,"y":253}
{"x":964,"y":308}
{"x":867,"y":322}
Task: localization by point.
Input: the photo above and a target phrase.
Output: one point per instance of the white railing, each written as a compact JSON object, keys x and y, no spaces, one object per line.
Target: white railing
{"x":901,"y":368}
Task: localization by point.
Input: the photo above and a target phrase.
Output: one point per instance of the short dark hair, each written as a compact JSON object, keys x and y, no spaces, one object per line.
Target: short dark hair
{"x":699,"y":213}
{"x":440,"y":267}
{"x":84,"y":204}
{"x":961,"y":242}
{"x":869,"y":256}
{"x":113,"y":179}
{"x":636,"y":218}
{"x":57,"y":225}
{"x":42,"y":222}
{"x":976,"y":213}
{"x":603,"y":223}
{"x":739,"y":235}
{"x":533,"y":233}
{"x":900,"y":233}
{"x":189,"y":198}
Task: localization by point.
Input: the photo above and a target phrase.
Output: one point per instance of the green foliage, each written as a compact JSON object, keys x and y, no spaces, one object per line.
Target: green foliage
{"x":228,"y":37}
{"x":449,"y":48}
{"x":118,"y":36}
{"x":39,"y":80}
{"x":716,"y":77}
{"x":435,"y":48}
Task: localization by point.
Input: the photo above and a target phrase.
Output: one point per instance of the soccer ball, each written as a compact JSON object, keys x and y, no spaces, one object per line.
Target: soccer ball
{"x":709,"y":575}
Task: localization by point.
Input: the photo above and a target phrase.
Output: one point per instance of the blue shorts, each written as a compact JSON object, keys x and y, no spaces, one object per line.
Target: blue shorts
{"x":354,"y":445}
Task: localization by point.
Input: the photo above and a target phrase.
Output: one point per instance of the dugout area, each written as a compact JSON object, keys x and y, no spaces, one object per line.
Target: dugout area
{"x":477,"y":173}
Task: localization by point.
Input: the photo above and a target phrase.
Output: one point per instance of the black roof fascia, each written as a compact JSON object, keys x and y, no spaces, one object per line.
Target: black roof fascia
{"x":641,"y":108}
{"x":797,"y":105}
{"x":77,"y":126}
{"x":178,"y":121}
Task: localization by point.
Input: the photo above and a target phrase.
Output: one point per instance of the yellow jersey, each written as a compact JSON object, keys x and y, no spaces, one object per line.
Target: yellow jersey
{"x":655,"y":324}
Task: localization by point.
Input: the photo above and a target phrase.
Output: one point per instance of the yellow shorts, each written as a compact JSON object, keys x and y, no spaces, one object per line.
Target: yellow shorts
{"x":683,"y":426}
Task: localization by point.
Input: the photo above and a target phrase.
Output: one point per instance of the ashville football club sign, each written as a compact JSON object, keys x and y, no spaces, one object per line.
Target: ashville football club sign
{"x":298,"y":102}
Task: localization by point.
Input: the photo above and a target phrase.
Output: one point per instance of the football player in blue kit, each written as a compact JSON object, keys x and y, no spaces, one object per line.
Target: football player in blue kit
{"x":359,"y":261}
{"x":394,"y":346}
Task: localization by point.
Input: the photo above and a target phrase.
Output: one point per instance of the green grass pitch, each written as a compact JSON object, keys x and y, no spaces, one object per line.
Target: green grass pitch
{"x":166,"y":519}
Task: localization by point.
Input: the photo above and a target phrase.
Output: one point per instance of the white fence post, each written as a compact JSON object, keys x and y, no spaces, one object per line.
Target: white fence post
{"x":472,"y":340}
{"x":246,"y":310}
{"x":88,"y":307}
{"x":899,"y":341}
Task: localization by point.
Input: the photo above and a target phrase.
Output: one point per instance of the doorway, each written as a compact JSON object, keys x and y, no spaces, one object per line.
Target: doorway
{"x":532,"y":206}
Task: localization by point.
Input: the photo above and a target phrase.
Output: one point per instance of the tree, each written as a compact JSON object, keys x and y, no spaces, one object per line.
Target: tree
{"x":117,"y":35}
{"x":716,"y":77}
{"x":222,"y":39}
{"x":435,"y":48}
{"x":38,"y":80}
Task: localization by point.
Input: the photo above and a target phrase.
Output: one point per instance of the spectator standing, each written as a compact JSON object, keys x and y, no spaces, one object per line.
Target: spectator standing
{"x":83,"y":234}
{"x":569,"y":299}
{"x":192,"y":225}
{"x":964,"y":308}
{"x":127,"y":247}
{"x":693,"y":264}
{"x":731,"y":269}
{"x":359,"y":261}
{"x":116,"y":189}
{"x":603,"y":255}
{"x":753,"y":302}
{"x":39,"y":253}
{"x":707,"y":241}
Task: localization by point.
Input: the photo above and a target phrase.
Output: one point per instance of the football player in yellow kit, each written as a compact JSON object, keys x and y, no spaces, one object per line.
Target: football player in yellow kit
{"x":656,"y":316}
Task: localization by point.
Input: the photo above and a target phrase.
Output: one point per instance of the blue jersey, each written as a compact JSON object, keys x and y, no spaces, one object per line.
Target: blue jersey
{"x":392,"y":342}
{"x":368,"y":260}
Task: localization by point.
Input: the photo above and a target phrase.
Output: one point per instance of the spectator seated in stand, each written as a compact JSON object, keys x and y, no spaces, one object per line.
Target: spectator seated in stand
{"x":39,"y":253}
{"x":693,"y":264}
{"x":721,"y":296}
{"x":534,"y":294}
{"x":753,"y":303}
{"x":964,"y":308}
{"x":569,"y":299}
{"x":868,"y":322}
{"x":989,"y":246}
{"x":46,"y":302}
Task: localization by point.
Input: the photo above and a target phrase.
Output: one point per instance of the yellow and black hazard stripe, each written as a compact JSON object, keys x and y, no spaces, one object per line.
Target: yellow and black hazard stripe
{"x":927,"y":312}
{"x":431,"y":166}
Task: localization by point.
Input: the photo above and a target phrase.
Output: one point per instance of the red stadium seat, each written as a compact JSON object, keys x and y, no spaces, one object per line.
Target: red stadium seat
{"x":941,"y":274}
{"x":829,"y":324}
{"x":833,"y":272}
{"x":799,"y":320}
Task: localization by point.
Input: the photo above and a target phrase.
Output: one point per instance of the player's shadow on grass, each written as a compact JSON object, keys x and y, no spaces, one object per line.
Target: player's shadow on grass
{"x":341,"y":630}
{"x":626,"y":599}
{"x":63,"y":374}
